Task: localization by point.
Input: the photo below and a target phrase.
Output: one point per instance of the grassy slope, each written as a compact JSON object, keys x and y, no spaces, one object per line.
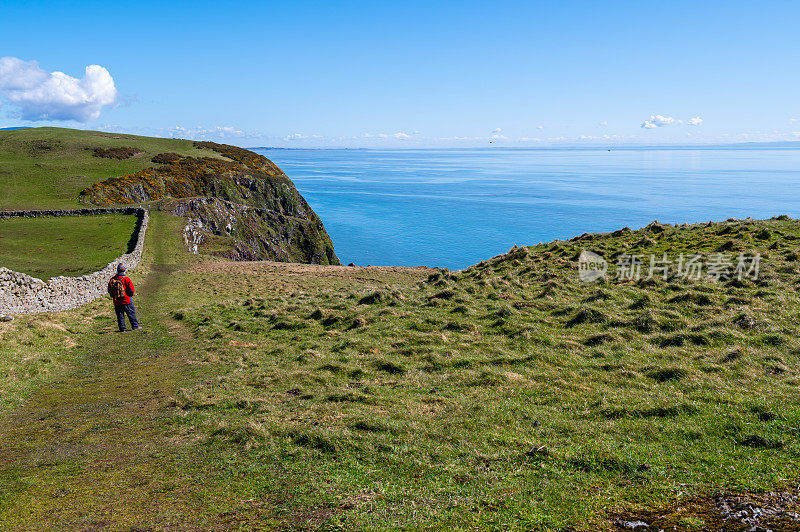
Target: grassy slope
{"x":512,"y":394}
{"x":70,"y":245}
{"x":44,"y":168}
{"x":507,"y":395}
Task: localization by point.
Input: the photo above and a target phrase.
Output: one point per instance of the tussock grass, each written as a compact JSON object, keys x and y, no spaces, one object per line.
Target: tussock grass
{"x":511,"y":392}
{"x":483,"y":410}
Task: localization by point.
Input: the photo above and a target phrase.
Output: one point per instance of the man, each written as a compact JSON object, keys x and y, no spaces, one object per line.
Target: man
{"x":121,"y":290}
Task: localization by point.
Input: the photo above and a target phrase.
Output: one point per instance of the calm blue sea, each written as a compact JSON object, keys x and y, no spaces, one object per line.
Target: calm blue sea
{"x":453,"y":208}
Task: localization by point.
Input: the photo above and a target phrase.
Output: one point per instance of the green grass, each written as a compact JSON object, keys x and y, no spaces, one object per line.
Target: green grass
{"x":36,"y":349}
{"x":43,"y":168}
{"x":509,"y":395}
{"x":64,"y":245}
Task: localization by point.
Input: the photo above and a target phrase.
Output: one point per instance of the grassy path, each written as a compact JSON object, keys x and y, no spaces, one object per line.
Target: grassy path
{"x":102,"y":447}
{"x":91,"y":450}
{"x":508,"y":396}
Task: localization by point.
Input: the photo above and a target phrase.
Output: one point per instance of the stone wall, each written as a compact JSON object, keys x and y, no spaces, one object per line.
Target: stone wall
{"x":73,"y":212}
{"x":22,"y":294}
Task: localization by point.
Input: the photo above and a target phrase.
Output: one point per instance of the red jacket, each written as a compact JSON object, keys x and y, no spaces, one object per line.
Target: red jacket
{"x":126,"y":281}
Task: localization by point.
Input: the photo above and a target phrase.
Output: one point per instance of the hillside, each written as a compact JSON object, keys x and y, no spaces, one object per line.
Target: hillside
{"x":47,"y":167}
{"x":236,"y":202}
{"x":509,"y":395}
{"x":513,"y":392}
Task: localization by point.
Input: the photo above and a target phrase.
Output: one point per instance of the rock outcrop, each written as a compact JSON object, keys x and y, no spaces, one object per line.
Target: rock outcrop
{"x":251,"y":233}
{"x":244,"y":197}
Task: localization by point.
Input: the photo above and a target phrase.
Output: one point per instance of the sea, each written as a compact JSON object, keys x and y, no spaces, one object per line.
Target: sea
{"x":453,"y":208}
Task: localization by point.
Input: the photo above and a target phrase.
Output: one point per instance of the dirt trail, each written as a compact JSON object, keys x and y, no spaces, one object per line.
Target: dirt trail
{"x":98,"y":448}
{"x":88,"y":450}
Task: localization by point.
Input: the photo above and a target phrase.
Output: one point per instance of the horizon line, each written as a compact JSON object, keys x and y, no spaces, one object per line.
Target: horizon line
{"x":784,"y":144}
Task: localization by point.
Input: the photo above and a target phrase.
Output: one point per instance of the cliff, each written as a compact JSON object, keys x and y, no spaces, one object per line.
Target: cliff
{"x":242,"y":201}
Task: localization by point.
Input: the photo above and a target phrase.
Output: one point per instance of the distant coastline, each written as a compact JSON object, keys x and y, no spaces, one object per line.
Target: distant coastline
{"x":304,"y":149}
{"x":781,"y":145}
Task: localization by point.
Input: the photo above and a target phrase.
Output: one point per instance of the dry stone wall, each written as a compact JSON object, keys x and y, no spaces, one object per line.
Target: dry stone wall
{"x":22,"y":294}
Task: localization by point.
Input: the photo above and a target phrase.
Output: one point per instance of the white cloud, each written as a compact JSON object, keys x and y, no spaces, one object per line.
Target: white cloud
{"x":603,"y":123}
{"x":657,"y":121}
{"x":399,"y":135}
{"x":42,"y":95}
{"x":662,"y":120}
{"x":300,"y":136}
{"x":539,"y":127}
{"x":228,"y":131}
{"x":497,"y":130}
{"x":16,"y":74}
{"x":498,"y":137}
{"x":598,"y":137}
{"x":202,"y":133}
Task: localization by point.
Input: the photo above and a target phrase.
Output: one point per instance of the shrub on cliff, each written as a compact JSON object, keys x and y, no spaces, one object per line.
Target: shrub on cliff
{"x":166,"y":158}
{"x":116,"y":153}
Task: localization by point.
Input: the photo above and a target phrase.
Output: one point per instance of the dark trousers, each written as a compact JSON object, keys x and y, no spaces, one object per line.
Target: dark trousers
{"x":130,"y":310}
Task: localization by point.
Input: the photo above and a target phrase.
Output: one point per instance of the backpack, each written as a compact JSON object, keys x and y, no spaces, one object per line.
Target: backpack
{"x":117,"y":288}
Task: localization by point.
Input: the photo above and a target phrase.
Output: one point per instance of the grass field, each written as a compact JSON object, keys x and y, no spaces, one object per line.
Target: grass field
{"x":510,"y":395}
{"x":43,"y":168}
{"x":64,"y":245}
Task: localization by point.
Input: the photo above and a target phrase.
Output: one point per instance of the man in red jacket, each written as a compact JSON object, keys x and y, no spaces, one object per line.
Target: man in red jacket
{"x":121,"y":290}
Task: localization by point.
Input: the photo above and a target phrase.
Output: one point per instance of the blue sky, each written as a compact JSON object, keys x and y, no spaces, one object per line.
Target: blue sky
{"x":409,"y":74}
